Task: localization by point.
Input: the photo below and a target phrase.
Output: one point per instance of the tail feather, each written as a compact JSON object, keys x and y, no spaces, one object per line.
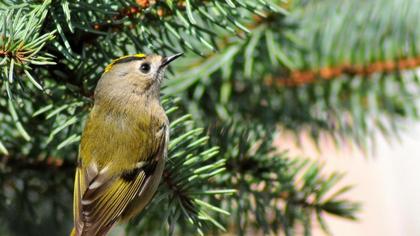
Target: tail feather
{"x":73,"y":232}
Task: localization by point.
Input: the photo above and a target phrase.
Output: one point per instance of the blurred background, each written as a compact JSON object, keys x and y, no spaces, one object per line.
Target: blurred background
{"x":386,"y":182}
{"x":287,"y":117}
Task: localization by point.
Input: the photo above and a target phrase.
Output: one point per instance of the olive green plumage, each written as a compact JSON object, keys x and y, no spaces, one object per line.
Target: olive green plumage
{"x":123,"y":145}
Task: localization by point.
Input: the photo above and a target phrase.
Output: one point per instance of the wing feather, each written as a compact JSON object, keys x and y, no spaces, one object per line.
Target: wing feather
{"x":101,"y":206}
{"x":100,"y":198}
{"x":108,"y":210}
{"x":79,"y":186}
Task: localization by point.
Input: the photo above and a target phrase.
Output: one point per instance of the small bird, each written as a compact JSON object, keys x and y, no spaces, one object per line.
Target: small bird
{"x":124,"y":144}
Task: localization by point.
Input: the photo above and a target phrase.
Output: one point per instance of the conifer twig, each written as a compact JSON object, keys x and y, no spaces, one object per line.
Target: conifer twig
{"x":304,"y":77}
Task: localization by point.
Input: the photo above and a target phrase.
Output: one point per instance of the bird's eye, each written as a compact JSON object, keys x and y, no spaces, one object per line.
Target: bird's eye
{"x":145,"y":67}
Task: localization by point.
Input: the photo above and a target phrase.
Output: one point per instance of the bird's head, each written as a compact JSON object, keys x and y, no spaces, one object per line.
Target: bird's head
{"x":133,"y":75}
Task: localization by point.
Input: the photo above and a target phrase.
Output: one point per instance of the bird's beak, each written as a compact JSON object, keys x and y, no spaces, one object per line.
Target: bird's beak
{"x":167,"y":60}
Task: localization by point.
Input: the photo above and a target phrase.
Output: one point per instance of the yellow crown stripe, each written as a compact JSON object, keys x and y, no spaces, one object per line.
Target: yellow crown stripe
{"x":109,"y":67}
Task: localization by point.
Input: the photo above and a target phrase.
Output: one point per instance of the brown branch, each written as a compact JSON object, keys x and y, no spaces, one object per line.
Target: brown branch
{"x":134,"y":12}
{"x":18,"y":55}
{"x":302,"y":77}
{"x":39,"y":164}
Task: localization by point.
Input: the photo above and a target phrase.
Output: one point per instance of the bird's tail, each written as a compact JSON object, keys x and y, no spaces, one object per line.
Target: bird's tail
{"x":73,"y":232}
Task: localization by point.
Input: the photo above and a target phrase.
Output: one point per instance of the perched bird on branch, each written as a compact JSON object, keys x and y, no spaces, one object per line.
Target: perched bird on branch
{"x":123,"y":146}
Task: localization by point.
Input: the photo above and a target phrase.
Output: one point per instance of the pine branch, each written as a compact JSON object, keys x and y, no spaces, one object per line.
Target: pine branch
{"x":21,"y":43}
{"x":278,"y":191}
{"x":339,"y":108}
{"x":300,"y":78}
{"x":159,"y":26}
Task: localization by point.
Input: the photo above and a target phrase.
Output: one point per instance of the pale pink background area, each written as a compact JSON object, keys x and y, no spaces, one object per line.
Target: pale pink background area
{"x":386,"y":182}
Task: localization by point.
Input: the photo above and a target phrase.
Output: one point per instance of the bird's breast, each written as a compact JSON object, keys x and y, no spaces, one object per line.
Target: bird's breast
{"x":122,"y":138}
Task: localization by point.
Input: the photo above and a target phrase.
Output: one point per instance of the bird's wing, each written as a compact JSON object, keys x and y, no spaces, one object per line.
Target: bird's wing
{"x":100,"y":198}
